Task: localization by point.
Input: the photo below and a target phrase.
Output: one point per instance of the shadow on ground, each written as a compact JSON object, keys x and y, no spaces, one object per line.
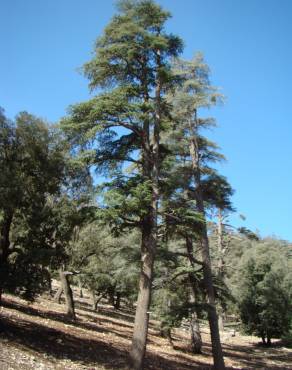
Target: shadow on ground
{"x":61,"y":344}
{"x":88,"y":350}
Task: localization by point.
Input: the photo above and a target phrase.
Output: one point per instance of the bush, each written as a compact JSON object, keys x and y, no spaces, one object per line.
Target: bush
{"x":264,"y":292}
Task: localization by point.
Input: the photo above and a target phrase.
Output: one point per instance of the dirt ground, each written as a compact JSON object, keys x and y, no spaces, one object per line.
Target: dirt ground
{"x":39,"y":336}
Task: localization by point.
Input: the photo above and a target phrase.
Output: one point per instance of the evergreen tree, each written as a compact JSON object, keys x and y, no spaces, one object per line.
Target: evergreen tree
{"x":132,"y":67}
{"x":196,"y":93}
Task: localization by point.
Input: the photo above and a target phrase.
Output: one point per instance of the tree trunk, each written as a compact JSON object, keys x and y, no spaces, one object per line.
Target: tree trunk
{"x":96,"y":300}
{"x":50,"y":287}
{"x":57,"y":296}
{"x":150,"y":169}
{"x":118,"y":301}
{"x":220,"y":320}
{"x":144,"y":296}
{"x":166,"y":333}
{"x":93,"y":300}
{"x":195,"y":332}
{"x":80,"y":289}
{"x":212,"y":314}
{"x":220,"y":266}
{"x":196,"y":339}
{"x":269,"y":343}
{"x":205,"y":253}
{"x":220,"y":245}
{"x":4,"y":246}
{"x":64,"y":277}
{"x":111,"y":297}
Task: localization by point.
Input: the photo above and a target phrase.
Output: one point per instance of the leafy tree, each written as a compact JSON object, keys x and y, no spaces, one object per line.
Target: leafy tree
{"x":32,"y":167}
{"x":108,"y":266}
{"x":264,"y":290}
{"x":70,"y":211}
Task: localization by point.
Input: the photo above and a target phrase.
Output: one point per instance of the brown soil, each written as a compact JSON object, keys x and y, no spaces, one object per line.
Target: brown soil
{"x":39,"y":336}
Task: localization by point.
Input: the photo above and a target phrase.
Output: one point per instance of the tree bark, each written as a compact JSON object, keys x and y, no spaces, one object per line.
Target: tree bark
{"x":144,"y":296}
{"x":212,"y":313}
{"x":205,"y":253}
{"x":4,"y":246}
{"x":221,"y":319}
{"x":57,"y":296}
{"x":151,"y":167}
{"x":195,"y":332}
{"x":93,"y":300}
{"x":64,"y":277}
{"x":80,"y":289}
{"x":96,"y":300}
{"x":166,"y":333}
{"x":220,"y":266}
{"x":196,"y":339}
{"x":118,"y":301}
{"x":50,"y":287}
{"x":269,"y":343}
{"x":111,"y":297}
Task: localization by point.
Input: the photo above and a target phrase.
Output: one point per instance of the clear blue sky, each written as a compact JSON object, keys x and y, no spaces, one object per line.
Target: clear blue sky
{"x":247,"y":44}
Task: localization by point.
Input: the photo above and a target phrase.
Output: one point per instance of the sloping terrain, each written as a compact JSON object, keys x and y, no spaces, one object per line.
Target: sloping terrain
{"x":39,"y":336}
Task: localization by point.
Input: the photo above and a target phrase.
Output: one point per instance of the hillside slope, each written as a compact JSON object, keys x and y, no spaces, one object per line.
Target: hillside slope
{"x":39,"y":336}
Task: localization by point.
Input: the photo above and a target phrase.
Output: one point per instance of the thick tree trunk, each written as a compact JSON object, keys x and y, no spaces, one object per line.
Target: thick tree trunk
{"x":205,"y":253}
{"x":144,"y":296}
{"x":64,"y":277}
{"x":212,"y":314}
{"x":151,"y":167}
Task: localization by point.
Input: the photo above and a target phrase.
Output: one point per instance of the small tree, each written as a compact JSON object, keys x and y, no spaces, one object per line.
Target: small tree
{"x":264,"y":292}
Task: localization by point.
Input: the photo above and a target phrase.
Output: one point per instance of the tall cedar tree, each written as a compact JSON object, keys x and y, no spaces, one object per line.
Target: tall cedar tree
{"x":196,"y":93}
{"x":131,"y":65}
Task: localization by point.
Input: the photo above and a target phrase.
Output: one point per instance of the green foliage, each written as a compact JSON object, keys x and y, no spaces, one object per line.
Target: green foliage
{"x":125,"y":202}
{"x":48,"y":212}
{"x":170,"y":305}
{"x":32,"y":162}
{"x":106,"y":264}
{"x":264,"y":290}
